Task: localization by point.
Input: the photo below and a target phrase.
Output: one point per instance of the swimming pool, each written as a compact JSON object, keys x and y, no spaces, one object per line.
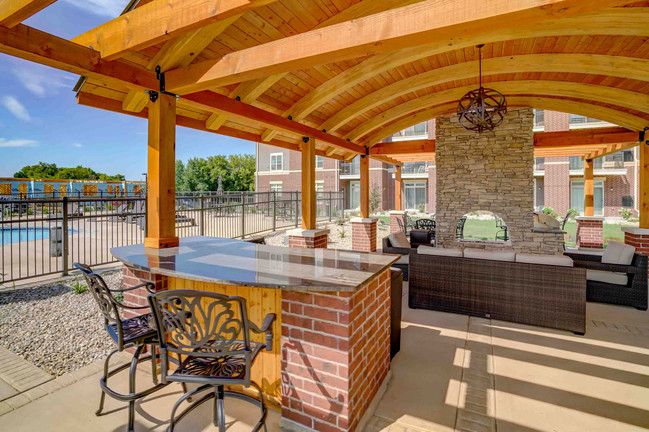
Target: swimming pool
{"x":14,"y":235}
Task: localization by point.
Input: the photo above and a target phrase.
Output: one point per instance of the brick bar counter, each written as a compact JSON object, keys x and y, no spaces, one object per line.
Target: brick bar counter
{"x":332,"y":335}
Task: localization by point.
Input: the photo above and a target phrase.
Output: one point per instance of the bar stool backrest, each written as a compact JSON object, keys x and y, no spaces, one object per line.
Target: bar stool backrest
{"x":201,"y":324}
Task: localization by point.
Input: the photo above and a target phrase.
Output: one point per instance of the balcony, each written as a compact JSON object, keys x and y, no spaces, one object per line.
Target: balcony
{"x":350,"y":169}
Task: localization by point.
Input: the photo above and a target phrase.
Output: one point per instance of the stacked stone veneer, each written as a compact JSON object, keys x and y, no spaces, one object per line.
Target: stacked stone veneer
{"x":323,"y":335}
{"x":490,"y":171}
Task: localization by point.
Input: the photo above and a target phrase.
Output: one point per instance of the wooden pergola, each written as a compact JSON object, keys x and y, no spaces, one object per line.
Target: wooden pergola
{"x":336,"y":77}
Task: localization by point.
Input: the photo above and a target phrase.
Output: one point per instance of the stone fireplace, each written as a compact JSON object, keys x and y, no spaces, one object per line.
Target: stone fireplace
{"x":490,"y":171}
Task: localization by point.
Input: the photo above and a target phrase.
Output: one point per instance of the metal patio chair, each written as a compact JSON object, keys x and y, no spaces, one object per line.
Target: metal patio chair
{"x":126,"y":333}
{"x":209,"y":333}
{"x":503,"y":233}
{"x":459,"y":229}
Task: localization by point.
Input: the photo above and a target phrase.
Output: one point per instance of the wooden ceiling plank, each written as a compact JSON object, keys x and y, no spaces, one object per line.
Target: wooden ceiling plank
{"x":159,"y":21}
{"x":13,"y":12}
{"x":405,"y":27}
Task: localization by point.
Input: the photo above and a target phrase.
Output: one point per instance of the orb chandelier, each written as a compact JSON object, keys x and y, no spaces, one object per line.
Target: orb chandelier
{"x":482,"y":109}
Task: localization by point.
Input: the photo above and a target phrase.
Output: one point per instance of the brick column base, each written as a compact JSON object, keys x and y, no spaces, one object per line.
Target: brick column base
{"x":638,"y":238}
{"x":335,"y":355}
{"x":138,"y":297}
{"x":590,"y":232}
{"x":394,"y":216}
{"x":308,"y":239}
{"x":364,"y":234}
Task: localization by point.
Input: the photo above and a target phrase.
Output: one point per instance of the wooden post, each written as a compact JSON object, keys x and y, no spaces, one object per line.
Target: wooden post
{"x":308,"y":184}
{"x":365,"y":186}
{"x":643,"y":205}
{"x":161,"y":188}
{"x":397,"y":188}
{"x":589,"y":188}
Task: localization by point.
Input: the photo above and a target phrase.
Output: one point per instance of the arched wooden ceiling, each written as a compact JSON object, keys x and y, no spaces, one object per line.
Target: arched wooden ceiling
{"x":594,"y":63}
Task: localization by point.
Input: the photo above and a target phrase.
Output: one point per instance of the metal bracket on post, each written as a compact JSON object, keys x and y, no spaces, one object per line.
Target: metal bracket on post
{"x":367,"y":152}
{"x":305,"y":139}
{"x":642,"y":135}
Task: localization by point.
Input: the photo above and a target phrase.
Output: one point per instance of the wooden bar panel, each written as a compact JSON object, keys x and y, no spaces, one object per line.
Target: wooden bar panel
{"x":266,"y":370}
{"x":161,"y":187}
{"x":308,"y":185}
{"x":589,"y":188}
{"x":365,"y":187}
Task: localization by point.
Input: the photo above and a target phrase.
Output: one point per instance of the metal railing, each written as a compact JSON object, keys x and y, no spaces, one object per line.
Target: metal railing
{"x":45,"y":236}
{"x":350,"y":168}
{"x":414,"y":168}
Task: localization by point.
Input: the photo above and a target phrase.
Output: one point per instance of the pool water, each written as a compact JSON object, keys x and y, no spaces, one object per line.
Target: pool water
{"x":14,"y":235}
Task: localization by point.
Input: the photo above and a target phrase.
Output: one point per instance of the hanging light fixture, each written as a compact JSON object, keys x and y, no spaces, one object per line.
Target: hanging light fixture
{"x":483,"y":109}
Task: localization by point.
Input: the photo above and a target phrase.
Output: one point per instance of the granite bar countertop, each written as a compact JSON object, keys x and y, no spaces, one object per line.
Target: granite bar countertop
{"x":236,"y":262}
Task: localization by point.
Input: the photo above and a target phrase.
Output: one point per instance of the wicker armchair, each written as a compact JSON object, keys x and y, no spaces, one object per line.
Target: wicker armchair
{"x":633,"y":294}
{"x":417,"y":238}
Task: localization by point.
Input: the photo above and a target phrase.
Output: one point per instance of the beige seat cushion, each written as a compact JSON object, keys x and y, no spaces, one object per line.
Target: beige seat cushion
{"x":399,"y":239}
{"x":429,"y":250}
{"x":618,"y":253}
{"x":555,"y":260}
{"x":607,"y":277}
{"x":490,"y":254}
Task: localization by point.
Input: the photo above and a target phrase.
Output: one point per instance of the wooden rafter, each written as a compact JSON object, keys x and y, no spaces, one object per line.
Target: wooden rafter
{"x":13,"y":12}
{"x":610,"y":149}
{"x":619,"y":21}
{"x":391,"y":30}
{"x":159,"y":21}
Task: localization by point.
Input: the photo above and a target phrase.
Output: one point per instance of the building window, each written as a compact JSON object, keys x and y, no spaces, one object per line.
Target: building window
{"x":277,"y":188}
{"x":577,"y":164}
{"x":628,"y":155}
{"x":417,"y":131}
{"x":627,"y":201}
{"x":539,"y":119}
{"x":415,"y":195}
{"x":579,"y":121}
{"x":539,"y":164}
{"x":277,"y":161}
{"x":319,"y":162}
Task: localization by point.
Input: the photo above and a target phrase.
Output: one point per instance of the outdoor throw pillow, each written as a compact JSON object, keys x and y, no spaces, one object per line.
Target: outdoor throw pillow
{"x":618,"y":253}
{"x":399,"y":239}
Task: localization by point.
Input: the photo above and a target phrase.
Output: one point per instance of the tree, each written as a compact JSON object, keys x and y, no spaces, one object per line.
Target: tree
{"x":375,"y":199}
{"x":197,"y":175}
{"x":45,"y":170}
{"x":242,"y":172}
{"x":180,"y":176}
{"x":236,"y":171}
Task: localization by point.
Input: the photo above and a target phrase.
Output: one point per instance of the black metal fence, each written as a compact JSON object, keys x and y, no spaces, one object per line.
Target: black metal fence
{"x":45,"y":236}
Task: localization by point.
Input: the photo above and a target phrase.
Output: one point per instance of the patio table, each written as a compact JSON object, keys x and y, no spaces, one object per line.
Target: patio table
{"x":331,"y":349}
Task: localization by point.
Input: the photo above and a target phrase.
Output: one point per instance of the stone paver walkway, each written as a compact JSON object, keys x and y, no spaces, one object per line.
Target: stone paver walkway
{"x":18,"y":375}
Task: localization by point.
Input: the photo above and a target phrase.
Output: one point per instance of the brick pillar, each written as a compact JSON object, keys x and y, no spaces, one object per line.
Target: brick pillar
{"x":590,"y":232}
{"x":394,"y":216}
{"x":308,"y":239}
{"x":335,"y":355}
{"x":364,"y":234}
{"x":638,"y":238}
{"x":138,"y":297}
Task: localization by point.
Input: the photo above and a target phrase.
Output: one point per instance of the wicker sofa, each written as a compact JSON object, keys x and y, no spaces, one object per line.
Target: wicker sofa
{"x":536,"y":294}
{"x":631,"y":291}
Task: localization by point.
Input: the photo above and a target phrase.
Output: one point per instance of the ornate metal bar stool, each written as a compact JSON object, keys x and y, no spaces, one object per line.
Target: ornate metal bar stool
{"x":126,"y":333}
{"x":210,"y":335}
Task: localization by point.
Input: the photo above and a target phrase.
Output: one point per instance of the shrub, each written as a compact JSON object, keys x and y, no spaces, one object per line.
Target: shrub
{"x":341,"y":221}
{"x":626,"y":214}
{"x":375,"y":199}
{"x":79,"y":288}
{"x":550,"y":212}
{"x":342,"y":233}
{"x":421,"y":208}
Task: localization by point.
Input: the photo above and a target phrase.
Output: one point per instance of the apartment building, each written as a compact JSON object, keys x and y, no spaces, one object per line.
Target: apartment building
{"x":558,"y":180}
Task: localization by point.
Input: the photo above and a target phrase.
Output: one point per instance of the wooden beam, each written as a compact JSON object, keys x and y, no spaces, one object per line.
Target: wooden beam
{"x":610,"y":149}
{"x":13,"y":12}
{"x":308,"y":185}
{"x":643,"y":188}
{"x":403,"y":147}
{"x":405,"y":27}
{"x":235,"y":109}
{"x":398,"y":186}
{"x":161,"y":179}
{"x":614,"y":66}
{"x":49,"y":50}
{"x":158,"y":21}
{"x":365,"y":186}
{"x":590,"y":92}
{"x":607,"y":135}
{"x":589,"y":188}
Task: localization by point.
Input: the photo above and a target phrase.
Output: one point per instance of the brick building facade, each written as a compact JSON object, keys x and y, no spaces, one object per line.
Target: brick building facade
{"x":557,"y":180}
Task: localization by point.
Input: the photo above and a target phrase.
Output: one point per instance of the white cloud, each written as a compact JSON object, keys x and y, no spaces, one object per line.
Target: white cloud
{"x":16,"y":108}
{"x":77,"y":145}
{"x":111,"y":8}
{"x":41,"y":80}
{"x":17,"y":143}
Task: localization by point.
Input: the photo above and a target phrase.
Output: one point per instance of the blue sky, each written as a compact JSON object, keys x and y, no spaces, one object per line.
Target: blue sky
{"x":40,"y":120}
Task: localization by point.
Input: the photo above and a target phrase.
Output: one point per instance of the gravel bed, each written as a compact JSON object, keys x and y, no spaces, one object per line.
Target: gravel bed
{"x":340,"y":236}
{"x":54,"y":328}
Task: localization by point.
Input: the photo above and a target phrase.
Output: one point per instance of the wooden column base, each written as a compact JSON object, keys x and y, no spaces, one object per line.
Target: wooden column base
{"x":161,"y":243}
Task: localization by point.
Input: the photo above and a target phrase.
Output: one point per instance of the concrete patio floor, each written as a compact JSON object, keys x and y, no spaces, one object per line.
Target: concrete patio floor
{"x":454,"y":373}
